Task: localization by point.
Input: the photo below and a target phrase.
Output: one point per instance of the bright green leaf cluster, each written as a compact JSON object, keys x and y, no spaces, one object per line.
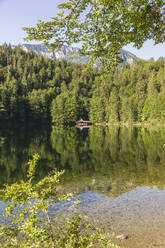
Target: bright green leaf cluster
{"x":30,"y":224}
{"x":103,"y":26}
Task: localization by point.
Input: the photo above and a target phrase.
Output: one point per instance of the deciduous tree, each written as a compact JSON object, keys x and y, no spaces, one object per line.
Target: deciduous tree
{"x":103,"y":26}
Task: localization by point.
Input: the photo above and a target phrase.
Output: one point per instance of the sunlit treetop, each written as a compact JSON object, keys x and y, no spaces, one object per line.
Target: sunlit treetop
{"x":103,"y":26}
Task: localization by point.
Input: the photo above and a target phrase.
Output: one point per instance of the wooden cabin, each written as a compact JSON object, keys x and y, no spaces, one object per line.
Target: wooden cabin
{"x":83,"y":123}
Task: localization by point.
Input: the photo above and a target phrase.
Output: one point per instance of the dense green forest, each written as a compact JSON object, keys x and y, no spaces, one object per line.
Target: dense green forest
{"x":34,"y":88}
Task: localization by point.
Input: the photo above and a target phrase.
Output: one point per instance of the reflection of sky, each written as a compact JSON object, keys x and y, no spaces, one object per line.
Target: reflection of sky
{"x":20,"y":13}
{"x":140,"y":214}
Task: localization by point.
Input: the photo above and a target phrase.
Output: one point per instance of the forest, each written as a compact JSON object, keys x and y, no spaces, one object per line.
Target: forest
{"x":38,"y":89}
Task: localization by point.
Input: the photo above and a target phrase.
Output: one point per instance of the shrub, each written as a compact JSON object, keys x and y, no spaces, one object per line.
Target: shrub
{"x":29,"y":223}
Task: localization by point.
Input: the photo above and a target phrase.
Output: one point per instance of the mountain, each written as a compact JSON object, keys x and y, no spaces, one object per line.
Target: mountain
{"x":65,"y":53}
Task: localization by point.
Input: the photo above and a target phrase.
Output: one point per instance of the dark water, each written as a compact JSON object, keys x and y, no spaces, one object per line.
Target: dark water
{"x":119,"y":173}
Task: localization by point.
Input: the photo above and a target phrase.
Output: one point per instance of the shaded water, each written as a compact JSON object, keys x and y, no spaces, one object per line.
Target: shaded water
{"x":118,"y":172}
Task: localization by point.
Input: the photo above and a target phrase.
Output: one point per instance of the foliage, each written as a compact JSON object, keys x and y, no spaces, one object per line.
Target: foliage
{"x":39,"y":90}
{"x":31,"y":225}
{"x":102,"y":26}
{"x":64,"y":109}
{"x":29,"y":83}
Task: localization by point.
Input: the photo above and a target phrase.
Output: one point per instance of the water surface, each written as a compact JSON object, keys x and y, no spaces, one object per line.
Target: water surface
{"x":119,"y":173}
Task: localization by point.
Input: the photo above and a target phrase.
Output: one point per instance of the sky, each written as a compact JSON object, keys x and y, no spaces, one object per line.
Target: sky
{"x":15,"y":14}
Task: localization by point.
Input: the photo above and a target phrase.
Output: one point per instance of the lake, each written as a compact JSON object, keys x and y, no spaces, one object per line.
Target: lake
{"x":117,"y":172}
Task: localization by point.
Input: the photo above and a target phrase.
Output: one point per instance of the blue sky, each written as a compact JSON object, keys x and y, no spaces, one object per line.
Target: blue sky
{"x":15,"y":14}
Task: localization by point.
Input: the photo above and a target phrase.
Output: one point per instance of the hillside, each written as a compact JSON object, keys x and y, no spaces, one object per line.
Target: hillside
{"x":65,"y":53}
{"x":35,"y":88}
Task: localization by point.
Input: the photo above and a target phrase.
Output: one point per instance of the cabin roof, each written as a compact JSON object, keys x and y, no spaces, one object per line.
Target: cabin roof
{"x":85,"y":121}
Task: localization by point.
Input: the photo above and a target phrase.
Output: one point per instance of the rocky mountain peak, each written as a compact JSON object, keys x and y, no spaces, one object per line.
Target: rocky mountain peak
{"x":66,"y":51}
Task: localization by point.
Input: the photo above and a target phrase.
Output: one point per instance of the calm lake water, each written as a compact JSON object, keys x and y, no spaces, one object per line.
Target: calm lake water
{"x":118,"y":173}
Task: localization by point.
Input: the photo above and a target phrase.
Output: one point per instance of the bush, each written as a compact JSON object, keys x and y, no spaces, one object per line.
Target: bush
{"x":30,"y":224}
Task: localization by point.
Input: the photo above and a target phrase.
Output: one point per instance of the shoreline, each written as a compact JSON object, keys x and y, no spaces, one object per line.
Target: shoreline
{"x":136,"y":124}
